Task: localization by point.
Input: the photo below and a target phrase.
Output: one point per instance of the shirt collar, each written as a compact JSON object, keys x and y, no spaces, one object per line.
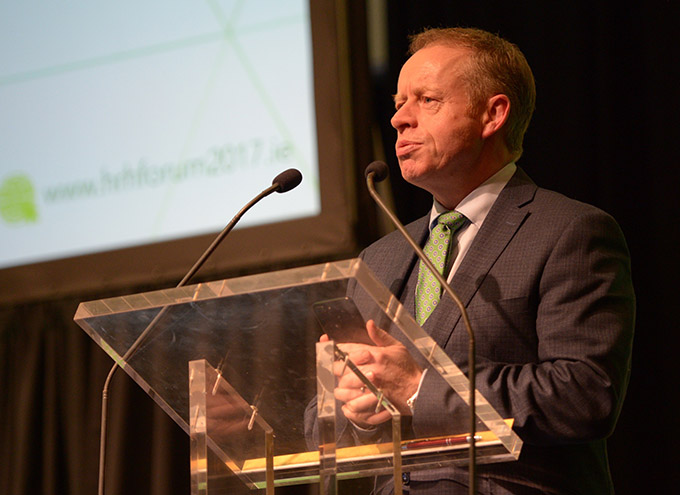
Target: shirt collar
{"x":476,"y":205}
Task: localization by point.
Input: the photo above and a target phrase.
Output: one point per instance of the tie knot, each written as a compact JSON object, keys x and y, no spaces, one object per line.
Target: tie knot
{"x":451,"y":219}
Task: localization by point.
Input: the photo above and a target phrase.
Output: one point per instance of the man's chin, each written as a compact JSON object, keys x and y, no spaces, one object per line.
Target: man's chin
{"x":412,"y":172}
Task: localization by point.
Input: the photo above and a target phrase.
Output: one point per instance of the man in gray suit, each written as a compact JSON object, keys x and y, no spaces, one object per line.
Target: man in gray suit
{"x":546,"y":281}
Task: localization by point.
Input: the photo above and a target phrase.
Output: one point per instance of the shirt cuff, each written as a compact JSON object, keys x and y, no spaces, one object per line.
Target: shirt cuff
{"x":411,"y":401}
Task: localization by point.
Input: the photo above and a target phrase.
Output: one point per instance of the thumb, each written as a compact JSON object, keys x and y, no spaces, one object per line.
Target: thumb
{"x":380,"y":337}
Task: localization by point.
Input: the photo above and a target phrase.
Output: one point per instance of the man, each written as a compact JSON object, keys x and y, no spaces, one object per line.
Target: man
{"x":545,"y":279}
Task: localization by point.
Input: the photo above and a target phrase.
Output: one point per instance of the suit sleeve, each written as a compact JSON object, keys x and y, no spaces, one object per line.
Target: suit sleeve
{"x":579,"y":317}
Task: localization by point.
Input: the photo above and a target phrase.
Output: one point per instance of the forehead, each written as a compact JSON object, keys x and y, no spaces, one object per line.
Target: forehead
{"x":437,"y":66}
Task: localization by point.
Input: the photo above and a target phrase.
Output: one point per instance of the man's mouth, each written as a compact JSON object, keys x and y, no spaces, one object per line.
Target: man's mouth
{"x":405,"y":147}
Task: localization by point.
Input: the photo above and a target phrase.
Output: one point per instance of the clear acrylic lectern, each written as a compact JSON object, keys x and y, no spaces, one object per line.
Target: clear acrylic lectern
{"x":237,"y":364}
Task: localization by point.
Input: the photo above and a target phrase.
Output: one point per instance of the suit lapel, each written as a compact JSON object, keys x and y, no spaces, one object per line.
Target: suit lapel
{"x":504,"y":219}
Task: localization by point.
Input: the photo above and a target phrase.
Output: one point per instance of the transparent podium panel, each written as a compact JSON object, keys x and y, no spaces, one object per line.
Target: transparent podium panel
{"x":224,"y":425}
{"x":256,"y":338}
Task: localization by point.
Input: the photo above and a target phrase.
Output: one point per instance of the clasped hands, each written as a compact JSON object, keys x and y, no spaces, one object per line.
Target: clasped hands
{"x":388,"y":365}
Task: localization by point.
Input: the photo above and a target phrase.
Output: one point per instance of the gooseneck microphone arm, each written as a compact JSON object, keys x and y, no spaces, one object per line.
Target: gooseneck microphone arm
{"x":283,"y":182}
{"x":378,"y":171}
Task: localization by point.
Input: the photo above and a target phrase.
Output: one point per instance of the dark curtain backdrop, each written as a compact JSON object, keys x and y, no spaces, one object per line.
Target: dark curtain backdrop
{"x":51,"y":378}
{"x":604,"y":132}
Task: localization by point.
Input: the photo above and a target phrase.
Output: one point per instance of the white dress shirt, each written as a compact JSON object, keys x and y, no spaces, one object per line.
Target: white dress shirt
{"x":475,"y":206}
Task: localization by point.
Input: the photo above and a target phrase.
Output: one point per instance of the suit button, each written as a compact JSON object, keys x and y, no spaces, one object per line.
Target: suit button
{"x":405,"y":478}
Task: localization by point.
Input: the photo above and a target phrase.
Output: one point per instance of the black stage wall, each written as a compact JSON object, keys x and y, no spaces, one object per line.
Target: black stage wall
{"x":603,"y":132}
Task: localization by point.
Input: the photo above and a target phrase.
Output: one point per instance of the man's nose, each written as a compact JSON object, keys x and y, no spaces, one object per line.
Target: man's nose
{"x":403,"y":117}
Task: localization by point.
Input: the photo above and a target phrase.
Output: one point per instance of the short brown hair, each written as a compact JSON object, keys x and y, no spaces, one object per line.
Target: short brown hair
{"x":497,"y":67}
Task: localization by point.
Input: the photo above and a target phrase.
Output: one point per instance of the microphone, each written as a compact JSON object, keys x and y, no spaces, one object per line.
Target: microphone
{"x":287,"y":180}
{"x":378,"y":171}
{"x":284,"y":182}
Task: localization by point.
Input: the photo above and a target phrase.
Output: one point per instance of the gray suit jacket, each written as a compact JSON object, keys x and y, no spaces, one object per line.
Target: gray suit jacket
{"x":548,"y":289}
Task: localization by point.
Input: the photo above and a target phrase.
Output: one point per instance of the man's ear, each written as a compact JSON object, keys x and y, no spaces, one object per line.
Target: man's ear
{"x":496,"y":114}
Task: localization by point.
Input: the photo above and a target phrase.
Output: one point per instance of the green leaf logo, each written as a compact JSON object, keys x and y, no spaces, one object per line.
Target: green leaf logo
{"x":17,"y":200}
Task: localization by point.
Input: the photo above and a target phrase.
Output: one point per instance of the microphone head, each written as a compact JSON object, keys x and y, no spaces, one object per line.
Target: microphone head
{"x":379,"y":169}
{"x":287,"y":180}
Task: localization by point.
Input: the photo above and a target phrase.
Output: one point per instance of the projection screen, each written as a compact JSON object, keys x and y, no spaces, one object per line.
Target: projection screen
{"x":131,"y":132}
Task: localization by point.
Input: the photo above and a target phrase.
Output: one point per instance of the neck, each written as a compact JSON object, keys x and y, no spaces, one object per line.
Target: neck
{"x":453,"y":189}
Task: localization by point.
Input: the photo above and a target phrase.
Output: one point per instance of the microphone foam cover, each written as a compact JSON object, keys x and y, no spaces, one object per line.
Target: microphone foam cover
{"x":379,"y":169}
{"x":287,"y":180}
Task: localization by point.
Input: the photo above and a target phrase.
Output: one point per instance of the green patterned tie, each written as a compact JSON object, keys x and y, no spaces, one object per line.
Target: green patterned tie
{"x":436,"y":248}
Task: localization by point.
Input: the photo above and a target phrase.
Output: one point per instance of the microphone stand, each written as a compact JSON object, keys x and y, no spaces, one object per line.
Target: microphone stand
{"x":472,"y":453}
{"x":283,"y":182}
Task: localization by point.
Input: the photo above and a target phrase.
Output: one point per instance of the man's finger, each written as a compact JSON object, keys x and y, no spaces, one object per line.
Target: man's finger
{"x":378,"y":336}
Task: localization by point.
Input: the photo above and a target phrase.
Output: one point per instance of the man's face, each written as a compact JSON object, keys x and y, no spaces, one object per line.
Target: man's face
{"x":438,"y":137}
